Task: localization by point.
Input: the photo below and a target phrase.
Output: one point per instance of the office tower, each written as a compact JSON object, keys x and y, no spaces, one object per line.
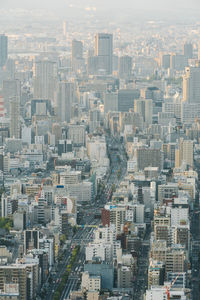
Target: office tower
{"x":190,"y":112}
{"x":76,"y":55}
{"x":126,"y":99}
{"x":147,"y":157}
{"x":77,"y":49}
{"x":19,"y":220}
{"x":104,"y":51}
{"x":145,"y":108}
{"x":178,"y":62}
{"x":45,"y":80}
{"x":188,"y":50}
{"x":185,"y":153}
{"x":65,"y":99}
{"x":191,"y":84}
{"x":3,"y":49}
{"x":15,"y":130}
{"x":125,"y":66}
{"x":110,"y":102}
{"x":165,"y":60}
{"x":94,"y":120}
{"x":57,"y":132}
{"x":65,"y":27}
{"x":11,"y":89}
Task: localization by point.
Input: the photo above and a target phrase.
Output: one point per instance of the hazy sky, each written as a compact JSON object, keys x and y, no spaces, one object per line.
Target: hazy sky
{"x":59,"y":5}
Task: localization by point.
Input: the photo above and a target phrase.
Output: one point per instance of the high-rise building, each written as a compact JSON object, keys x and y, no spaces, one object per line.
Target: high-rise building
{"x":125,"y":66}
{"x":191,"y":84}
{"x":126,"y":99}
{"x":145,"y":108}
{"x":188,"y":50}
{"x":15,"y":274}
{"x":185,"y":153}
{"x":76,"y":133}
{"x":104,"y":51}
{"x":31,"y":240}
{"x":77,"y":49}
{"x":65,"y":97}
{"x":147,"y":157}
{"x":45,"y":80}
{"x":76,"y":55}
{"x":15,"y":129}
{"x":110,"y":102}
{"x":165,"y":61}
{"x":3,"y":49}
{"x":94,"y":120}
{"x":178,"y":62}
{"x":11,"y":89}
{"x":65,"y":28}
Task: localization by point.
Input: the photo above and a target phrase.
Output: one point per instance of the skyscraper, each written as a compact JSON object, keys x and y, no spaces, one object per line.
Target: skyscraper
{"x":77,"y":54}
{"x":191,"y":84}
{"x":185,"y":153}
{"x":145,"y":108}
{"x":3,"y":49}
{"x":65,"y":28}
{"x":65,"y":99}
{"x":104,"y":51}
{"x":11,"y":88}
{"x":77,"y":49}
{"x":188,"y":50}
{"x":125,"y":66}
{"x":44,"y":79}
{"x":15,"y":118}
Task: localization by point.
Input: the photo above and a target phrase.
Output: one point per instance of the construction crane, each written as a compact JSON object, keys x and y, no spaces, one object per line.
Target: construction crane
{"x":168,"y":288}
{"x":40,"y":190}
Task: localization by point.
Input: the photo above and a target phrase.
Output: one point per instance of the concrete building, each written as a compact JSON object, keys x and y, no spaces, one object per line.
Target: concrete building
{"x":90,"y":282}
{"x":82,"y":192}
{"x":124,"y":277}
{"x":76,"y":133}
{"x":155,"y":273}
{"x":70,"y":177}
{"x":15,"y":273}
{"x":104,"y":270}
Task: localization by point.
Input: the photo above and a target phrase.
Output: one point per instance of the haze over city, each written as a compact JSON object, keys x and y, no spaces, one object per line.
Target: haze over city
{"x":99,"y":150}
